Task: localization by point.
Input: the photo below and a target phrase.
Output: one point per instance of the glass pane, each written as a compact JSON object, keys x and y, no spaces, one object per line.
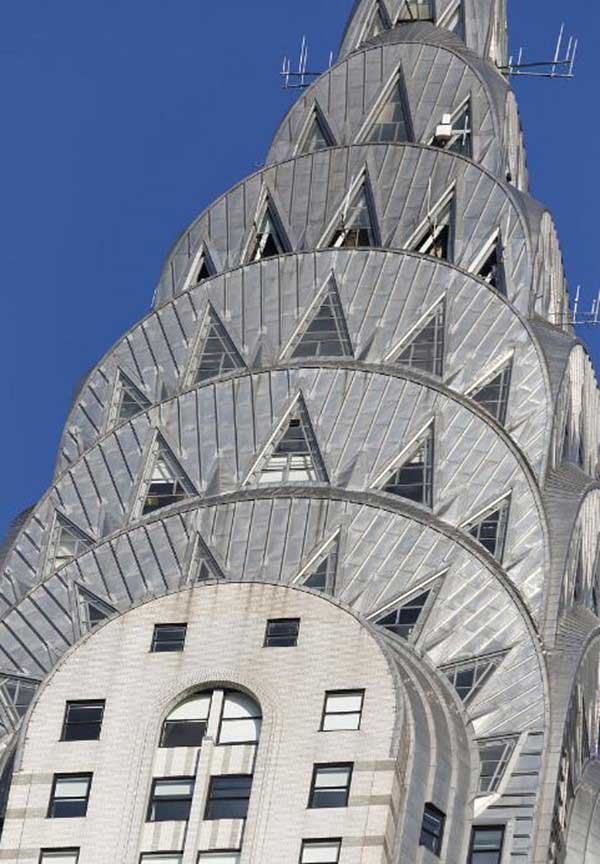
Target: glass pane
{"x":351,"y":700}
{"x":331,"y":777}
{"x":194,"y":708}
{"x":59,"y":857}
{"x":183,"y":733}
{"x":330,"y":798}
{"x":240,"y":705}
{"x":161,"y":858}
{"x":239,"y":731}
{"x":176,"y":787}
{"x":320,"y":852}
{"x":71,"y":787}
{"x":338,"y":722}
{"x":219,"y":857}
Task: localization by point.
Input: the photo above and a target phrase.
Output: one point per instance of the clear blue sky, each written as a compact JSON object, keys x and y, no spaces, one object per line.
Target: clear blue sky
{"x":123,"y":119}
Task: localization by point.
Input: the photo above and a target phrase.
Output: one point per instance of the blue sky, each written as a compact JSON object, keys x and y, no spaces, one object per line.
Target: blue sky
{"x":123,"y":119}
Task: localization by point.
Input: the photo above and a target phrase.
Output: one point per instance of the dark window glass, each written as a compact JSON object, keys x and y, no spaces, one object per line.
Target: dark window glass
{"x":282,"y":632}
{"x":183,"y":733}
{"x":228,"y":796}
{"x":432,"y":829}
{"x":330,"y":785}
{"x":70,"y":796}
{"x":486,"y":845}
{"x":83,"y":721}
{"x":171,"y":799}
{"x":168,"y":637}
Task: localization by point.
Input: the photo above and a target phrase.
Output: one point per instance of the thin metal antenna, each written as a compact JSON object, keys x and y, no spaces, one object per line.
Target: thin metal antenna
{"x":574,"y":317}
{"x":562,"y":64}
{"x":303,"y":77}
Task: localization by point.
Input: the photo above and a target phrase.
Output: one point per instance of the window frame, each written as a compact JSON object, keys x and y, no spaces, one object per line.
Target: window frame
{"x":325,"y":713}
{"x":57,"y":778}
{"x":152,"y":797}
{"x":270,"y":621}
{"x":222,"y":718}
{"x":438,"y":839}
{"x":80,"y":703}
{"x":149,"y":856}
{"x":165,"y":626}
{"x":316,"y":768}
{"x":213,"y":781}
{"x":50,"y":852}
{"x":308,"y":841}
{"x":487,"y":829}
{"x":211,"y":852}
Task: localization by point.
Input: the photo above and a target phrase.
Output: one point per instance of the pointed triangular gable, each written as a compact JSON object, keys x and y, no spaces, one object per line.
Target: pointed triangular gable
{"x":292,"y":454}
{"x":425,"y":350}
{"x":92,"y":610}
{"x":166,"y":481}
{"x":321,"y":571}
{"x":435,"y":235}
{"x":469,"y":676}
{"x":203,"y":268}
{"x":130,"y":399}
{"x":493,"y":393}
{"x":403,"y":619}
{"x":490,"y":528}
{"x":316,"y":135}
{"x":378,"y":22}
{"x":269,"y":238}
{"x":416,"y":10}
{"x":490,"y":265}
{"x":324,"y":332}
{"x":218,"y":354}
{"x":68,"y":542}
{"x":494,"y":756}
{"x":18,"y":692}
{"x":413,"y":477}
{"x":355,"y":226}
{"x":204,"y":566}
{"x":391,"y":122}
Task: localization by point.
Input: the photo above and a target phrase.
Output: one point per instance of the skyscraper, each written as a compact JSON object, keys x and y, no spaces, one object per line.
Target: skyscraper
{"x":318,"y":578}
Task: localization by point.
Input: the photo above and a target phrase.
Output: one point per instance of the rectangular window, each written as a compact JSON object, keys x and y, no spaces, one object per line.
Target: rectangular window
{"x":486,"y":844}
{"x":186,"y":725}
{"x":432,"y":829}
{"x":224,"y":857}
{"x":161,"y":858}
{"x":59,"y":856}
{"x":170,"y":799}
{"x":228,"y":796}
{"x":330,"y":785}
{"x":83,"y":721}
{"x":282,"y":632}
{"x":320,"y":851}
{"x":168,"y":637}
{"x":70,"y":795}
{"x":342,"y":710}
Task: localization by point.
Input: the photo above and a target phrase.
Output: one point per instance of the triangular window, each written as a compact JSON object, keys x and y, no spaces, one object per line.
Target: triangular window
{"x":425,"y":351}
{"x":219,"y":355}
{"x":204,"y":270}
{"x":204,"y":564}
{"x":168,"y":483}
{"x":130,"y":400}
{"x":356,"y":225}
{"x":413,"y":479}
{"x":317,"y":135}
{"x":378,"y":23}
{"x":494,"y":756}
{"x":392,"y":121}
{"x":18,"y":693}
{"x":490,"y":266}
{"x":490,"y":529}
{"x":269,"y":238}
{"x":469,"y":676}
{"x":456,"y":132}
{"x":416,"y":10}
{"x":326,"y":334}
{"x":92,"y":609}
{"x":403,"y":619}
{"x":69,"y":542}
{"x":321,"y":573}
{"x":493,"y":395}
{"x":578,"y":582}
{"x":293,"y":455}
{"x":453,"y":20}
{"x":435,"y":237}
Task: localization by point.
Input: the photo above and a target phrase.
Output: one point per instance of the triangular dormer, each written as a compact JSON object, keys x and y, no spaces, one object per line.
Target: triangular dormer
{"x":17,"y":693}
{"x":92,"y":609}
{"x":291,"y":454}
{"x":268,"y":237}
{"x":316,"y":134}
{"x":435,"y":235}
{"x":423,"y":349}
{"x":217,"y":352}
{"x":67,"y":542}
{"x":390,"y":121}
{"x":406,"y":616}
{"x":165,"y":482}
{"x":411,"y":475}
{"x":354,"y":225}
{"x":469,"y":676}
{"x":323,"y":331}
{"x":204,"y":567}
{"x":320,"y":571}
{"x":129,"y":400}
{"x":490,"y":527}
{"x":492,"y":393}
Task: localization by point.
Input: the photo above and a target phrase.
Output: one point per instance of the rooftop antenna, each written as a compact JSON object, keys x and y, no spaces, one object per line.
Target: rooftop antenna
{"x":562,"y":64}
{"x":303,"y":77}
{"x":578,"y":318}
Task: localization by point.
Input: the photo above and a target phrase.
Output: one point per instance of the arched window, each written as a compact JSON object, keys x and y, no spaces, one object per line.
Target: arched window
{"x":229,"y":715}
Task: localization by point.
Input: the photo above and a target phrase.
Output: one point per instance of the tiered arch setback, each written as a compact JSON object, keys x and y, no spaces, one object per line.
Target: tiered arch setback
{"x":349,"y":463}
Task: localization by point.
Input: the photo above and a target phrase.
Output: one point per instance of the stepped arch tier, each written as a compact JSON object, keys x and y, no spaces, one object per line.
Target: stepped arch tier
{"x":356,"y":411}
